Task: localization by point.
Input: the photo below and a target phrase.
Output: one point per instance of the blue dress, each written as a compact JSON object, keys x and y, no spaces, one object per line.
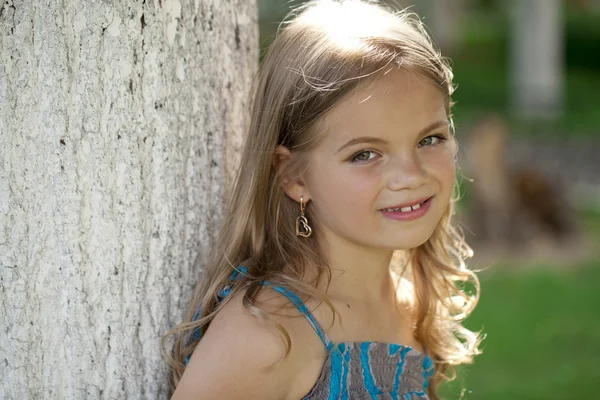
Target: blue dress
{"x":357,"y":370}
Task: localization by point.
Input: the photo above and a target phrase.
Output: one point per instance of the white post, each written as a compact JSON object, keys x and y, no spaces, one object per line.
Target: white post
{"x":443,"y":17}
{"x":537,"y":58}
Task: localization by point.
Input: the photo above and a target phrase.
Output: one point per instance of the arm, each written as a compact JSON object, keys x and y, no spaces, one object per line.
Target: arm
{"x":232,"y":359}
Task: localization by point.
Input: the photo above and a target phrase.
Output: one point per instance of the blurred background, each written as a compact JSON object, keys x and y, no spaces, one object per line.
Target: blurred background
{"x":527,"y":117}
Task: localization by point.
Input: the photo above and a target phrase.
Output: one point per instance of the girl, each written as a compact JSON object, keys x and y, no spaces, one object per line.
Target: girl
{"x":337,"y":274}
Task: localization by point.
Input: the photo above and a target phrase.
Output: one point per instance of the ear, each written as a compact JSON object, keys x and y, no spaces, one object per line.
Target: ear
{"x":294,"y":188}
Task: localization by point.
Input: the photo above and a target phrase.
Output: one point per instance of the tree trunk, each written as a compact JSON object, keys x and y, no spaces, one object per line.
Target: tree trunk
{"x":120,"y":126}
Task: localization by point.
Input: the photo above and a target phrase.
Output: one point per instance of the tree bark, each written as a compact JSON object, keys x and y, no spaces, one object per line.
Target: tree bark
{"x":120,"y":128}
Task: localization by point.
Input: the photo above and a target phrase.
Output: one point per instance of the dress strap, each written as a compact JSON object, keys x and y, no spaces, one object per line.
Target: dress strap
{"x":221,"y":294}
{"x":297,"y":301}
{"x":291,"y":296}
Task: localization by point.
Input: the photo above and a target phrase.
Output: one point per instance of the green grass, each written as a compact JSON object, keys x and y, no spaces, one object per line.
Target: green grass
{"x":543,"y":332}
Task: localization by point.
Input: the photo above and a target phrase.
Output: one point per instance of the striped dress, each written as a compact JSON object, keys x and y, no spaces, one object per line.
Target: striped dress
{"x":359,"y":370}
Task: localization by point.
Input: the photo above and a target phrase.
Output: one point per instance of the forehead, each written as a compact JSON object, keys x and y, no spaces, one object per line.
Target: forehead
{"x":397,"y":104}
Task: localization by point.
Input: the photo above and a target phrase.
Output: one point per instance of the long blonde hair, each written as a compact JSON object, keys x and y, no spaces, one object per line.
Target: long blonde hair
{"x":317,"y":57}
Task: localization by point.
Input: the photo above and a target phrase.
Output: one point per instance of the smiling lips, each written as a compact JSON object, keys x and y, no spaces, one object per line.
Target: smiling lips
{"x":408,"y":212}
{"x":407,"y":206}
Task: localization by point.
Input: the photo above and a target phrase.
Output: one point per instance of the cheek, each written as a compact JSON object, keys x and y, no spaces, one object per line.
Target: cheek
{"x":449,"y":171}
{"x":343,"y":191}
{"x":442,"y":167}
{"x":446,"y":178}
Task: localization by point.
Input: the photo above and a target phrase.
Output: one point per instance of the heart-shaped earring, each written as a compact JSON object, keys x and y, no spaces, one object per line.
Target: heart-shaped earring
{"x":301,"y":221}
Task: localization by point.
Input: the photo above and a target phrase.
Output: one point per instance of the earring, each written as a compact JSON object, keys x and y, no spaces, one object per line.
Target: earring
{"x":302,"y":221}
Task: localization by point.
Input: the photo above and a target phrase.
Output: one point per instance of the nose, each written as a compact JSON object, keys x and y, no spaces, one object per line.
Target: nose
{"x":407,"y":172}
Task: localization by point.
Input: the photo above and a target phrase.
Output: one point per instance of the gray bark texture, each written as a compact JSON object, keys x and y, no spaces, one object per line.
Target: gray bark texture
{"x":120,"y":127}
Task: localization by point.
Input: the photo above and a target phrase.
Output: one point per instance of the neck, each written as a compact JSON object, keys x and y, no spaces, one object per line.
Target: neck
{"x":358,"y":273}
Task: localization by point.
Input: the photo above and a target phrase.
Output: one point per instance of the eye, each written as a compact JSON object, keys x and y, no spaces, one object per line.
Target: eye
{"x":364,"y":156}
{"x":433,"y":140}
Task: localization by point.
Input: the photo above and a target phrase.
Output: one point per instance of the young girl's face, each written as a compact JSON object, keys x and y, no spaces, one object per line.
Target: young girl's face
{"x":386,"y":144}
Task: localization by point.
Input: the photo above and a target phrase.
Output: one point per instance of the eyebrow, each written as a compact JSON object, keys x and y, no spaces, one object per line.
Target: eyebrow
{"x":370,"y":139}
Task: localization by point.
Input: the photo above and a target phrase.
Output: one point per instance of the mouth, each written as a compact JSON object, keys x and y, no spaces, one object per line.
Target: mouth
{"x":408,"y":212}
{"x":408,"y":207}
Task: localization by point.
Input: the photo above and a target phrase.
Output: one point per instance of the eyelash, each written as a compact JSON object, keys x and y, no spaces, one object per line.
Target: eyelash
{"x":441,"y":139}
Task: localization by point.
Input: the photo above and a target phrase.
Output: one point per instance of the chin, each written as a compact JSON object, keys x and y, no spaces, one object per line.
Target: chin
{"x":410,"y":245}
{"x":412,"y":241}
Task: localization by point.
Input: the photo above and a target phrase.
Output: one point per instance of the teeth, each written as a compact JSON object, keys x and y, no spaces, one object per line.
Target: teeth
{"x":404,"y":209}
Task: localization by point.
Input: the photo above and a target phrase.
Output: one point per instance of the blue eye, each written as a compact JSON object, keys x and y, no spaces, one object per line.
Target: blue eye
{"x":433,"y":140}
{"x":367,"y":156}
{"x":359,"y":156}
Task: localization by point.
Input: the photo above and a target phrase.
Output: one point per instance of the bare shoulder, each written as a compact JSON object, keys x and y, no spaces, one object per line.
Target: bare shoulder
{"x":242,"y":357}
